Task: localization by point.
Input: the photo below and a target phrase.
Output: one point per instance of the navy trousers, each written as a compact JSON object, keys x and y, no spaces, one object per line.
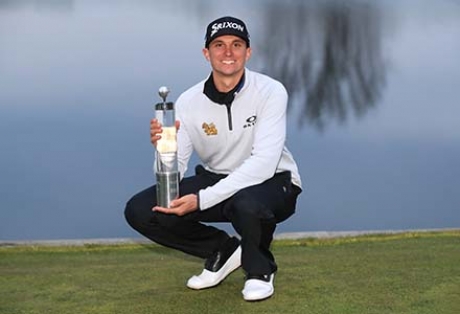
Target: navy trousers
{"x":253,"y":212}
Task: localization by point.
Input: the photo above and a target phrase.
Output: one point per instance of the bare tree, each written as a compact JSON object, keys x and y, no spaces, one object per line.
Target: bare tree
{"x":328,"y":56}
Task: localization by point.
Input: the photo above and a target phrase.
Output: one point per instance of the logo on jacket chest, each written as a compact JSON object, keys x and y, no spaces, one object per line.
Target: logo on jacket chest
{"x":250,"y":122}
{"x":209,"y":129}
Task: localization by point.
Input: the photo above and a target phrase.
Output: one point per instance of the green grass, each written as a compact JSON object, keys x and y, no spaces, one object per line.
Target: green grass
{"x":404,"y":273}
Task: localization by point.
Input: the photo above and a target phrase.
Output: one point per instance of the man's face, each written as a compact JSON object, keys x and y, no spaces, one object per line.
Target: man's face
{"x":228,"y":55}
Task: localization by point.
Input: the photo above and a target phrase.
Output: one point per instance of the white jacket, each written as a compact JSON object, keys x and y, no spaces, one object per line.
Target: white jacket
{"x":252,"y":152}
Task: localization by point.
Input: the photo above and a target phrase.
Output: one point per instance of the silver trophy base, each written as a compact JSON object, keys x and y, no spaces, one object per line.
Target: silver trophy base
{"x":167,"y":188}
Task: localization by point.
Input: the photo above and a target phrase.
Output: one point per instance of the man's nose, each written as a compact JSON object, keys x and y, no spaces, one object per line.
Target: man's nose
{"x":228,"y":50}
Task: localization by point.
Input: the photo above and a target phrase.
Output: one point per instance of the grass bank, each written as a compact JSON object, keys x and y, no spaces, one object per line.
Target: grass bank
{"x":401,"y":273}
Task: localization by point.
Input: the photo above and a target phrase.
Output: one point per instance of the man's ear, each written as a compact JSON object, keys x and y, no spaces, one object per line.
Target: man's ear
{"x":248,"y":53}
{"x":206,"y":53}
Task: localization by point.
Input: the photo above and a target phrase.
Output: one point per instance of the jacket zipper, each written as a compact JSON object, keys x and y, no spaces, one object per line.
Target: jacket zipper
{"x":229,"y":115}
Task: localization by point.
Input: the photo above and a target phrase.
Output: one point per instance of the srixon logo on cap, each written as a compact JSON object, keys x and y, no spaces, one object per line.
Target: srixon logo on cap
{"x":217,"y":26}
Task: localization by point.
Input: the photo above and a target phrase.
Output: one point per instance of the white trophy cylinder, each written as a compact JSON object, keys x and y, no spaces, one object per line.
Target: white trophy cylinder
{"x":166,"y":167}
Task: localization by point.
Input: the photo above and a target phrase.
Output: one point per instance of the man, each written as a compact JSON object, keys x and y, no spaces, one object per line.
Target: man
{"x":235,"y":121}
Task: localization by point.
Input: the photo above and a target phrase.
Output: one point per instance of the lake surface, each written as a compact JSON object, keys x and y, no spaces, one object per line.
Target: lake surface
{"x":374,"y":115}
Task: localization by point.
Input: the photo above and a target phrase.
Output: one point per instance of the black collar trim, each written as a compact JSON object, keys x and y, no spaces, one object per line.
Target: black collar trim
{"x":213,"y":94}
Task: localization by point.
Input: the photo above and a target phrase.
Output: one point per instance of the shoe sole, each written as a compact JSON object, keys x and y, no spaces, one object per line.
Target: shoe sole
{"x":258,"y":299}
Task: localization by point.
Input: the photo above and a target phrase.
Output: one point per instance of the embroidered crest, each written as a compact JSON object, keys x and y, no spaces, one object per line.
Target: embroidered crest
{"x":209,"y":129}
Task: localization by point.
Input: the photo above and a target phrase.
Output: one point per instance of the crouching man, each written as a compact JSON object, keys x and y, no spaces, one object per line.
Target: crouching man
{"x":235,"y":121}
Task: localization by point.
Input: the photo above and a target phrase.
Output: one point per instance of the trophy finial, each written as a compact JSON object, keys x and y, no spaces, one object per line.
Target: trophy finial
{"x":163,"y":92}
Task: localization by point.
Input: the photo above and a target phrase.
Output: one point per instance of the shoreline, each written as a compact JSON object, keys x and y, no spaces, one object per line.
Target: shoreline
{"x":280,"y":236}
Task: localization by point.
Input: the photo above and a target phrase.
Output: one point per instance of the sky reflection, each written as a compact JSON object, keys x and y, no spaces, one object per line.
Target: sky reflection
{"x":374,"y":85}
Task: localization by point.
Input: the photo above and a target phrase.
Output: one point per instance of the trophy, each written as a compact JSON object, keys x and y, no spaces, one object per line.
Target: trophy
{"x":166,"y":168}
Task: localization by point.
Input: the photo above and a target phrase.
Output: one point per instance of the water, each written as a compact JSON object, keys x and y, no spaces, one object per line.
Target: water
{"x":373,"y":119}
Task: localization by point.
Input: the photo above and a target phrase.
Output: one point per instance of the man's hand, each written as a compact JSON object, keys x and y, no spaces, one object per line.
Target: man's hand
{"x":156,"y":129}
{"x":181,"y":206}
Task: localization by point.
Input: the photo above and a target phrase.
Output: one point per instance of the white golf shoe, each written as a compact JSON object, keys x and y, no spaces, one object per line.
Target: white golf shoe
{"x":257,"y":288}
{"x":217,"y":268}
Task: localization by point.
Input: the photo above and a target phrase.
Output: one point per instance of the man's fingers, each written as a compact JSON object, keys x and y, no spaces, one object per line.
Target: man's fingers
{"x":162,"y":210}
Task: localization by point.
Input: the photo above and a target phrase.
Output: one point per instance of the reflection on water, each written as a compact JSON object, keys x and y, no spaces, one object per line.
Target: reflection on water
{"x":39,"y":5}
{"x":328,"y":55}
{"x":78,"y":80}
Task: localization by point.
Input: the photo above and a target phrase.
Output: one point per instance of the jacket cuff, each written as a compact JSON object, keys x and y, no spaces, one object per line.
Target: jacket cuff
{"x":198,"y":200}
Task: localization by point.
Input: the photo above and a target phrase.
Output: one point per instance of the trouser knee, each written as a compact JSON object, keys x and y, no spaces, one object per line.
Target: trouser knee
{"x":138,"y":216}
{"x":131,"y":217}
{"x":246,"y":207}
{"x":138,"y":210}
